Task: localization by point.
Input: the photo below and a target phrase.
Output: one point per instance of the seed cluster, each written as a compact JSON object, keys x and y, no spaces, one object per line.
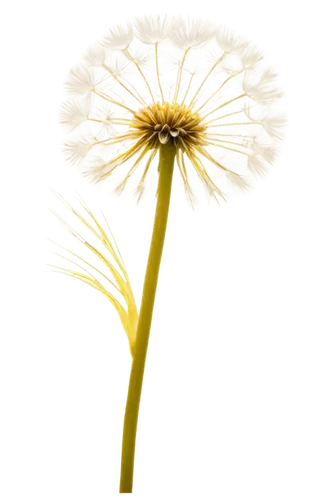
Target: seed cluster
{"x":197,"y":97}
{"x":166,"y":123}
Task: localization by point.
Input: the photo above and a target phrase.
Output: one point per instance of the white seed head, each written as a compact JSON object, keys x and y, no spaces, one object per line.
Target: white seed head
{"x":147,"y":103}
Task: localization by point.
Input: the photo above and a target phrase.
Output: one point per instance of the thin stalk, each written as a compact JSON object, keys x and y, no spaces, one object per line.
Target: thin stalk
{"x":179,"y":75}
{"x":166,"y":164}
{"x":158,"y":73}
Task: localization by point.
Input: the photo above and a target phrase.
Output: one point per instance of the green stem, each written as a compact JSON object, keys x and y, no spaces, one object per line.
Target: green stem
{"x":165,"y":168}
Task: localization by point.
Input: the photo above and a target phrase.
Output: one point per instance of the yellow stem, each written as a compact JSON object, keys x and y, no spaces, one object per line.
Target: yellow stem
{"x":134,"y":392}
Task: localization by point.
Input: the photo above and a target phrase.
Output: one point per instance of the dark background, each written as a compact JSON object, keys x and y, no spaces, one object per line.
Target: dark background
{"x":221,"y":414}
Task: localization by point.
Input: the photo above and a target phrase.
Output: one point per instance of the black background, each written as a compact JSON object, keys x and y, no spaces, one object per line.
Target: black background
{"x":220,"y":418}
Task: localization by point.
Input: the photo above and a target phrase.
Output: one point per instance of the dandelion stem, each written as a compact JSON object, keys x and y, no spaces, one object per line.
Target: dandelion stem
{"x":166,"y":163}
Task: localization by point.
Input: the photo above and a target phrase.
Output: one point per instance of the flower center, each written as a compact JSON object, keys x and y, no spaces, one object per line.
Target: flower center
{"x":166,"y":123}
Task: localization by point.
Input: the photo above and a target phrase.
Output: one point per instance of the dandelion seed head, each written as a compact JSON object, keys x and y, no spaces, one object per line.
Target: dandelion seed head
{"x":163,"y":80}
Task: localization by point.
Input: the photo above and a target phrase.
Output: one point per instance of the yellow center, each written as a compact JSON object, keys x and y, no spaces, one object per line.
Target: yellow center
{"x":164,"y":123}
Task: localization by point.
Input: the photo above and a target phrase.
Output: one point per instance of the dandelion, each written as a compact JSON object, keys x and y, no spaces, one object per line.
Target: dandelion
{"x":197,"y":113}
{"x":211,"y":113}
